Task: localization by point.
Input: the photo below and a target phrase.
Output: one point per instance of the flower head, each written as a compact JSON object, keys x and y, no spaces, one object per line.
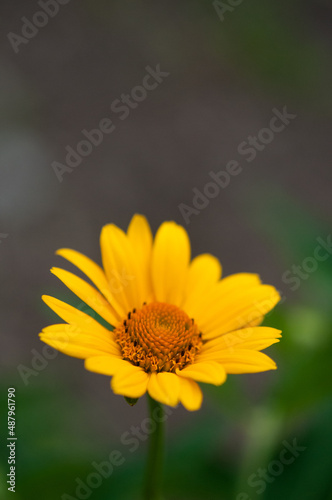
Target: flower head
{"x":173,"y":321}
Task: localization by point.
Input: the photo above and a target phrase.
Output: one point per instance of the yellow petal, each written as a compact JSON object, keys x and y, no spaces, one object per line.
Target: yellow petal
{"x":190,"y":394}
{"x":256,"y":338}
{"x":130,"y":381}
{"x":106,"y":365}
{"x":78,"y":350}
{"x":170,"y":261}
{"x":121,"y":267}
{"x":244,"y":361}
{"x":165,"y":388}
{"x":237,"y":310}
{"x":73,"y":351}
{"x":204,"y":271}
{"x":139,"y":233}
{"x":72,"y":340}
{"x":140,"y":236}
{"x":209,"y":372}
{"x":94,"y":273}
{"x":255,"y":322}
{"x":75,"y":317}
{"x":239,"y":281}
{"x":88,"y":294}
{"x":213,"y":298}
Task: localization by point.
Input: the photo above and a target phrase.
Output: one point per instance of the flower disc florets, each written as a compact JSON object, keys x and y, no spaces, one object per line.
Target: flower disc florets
{"x":159,"y":337}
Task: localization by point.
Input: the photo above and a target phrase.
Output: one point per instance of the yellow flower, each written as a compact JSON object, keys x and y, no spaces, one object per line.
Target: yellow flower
{"x":176,"y":322}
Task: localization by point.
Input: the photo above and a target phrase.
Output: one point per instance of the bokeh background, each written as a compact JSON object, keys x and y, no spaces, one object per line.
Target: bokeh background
{"x":226,"y":75}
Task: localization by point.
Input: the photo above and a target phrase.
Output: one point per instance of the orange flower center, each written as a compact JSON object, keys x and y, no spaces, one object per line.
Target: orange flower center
{"x":159,"y":337}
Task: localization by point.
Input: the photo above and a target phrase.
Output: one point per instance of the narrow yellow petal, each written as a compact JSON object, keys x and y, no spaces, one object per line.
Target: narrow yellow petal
{"x":121,"y":267}
{"x":208,"y":371}
{"x":88,"y":294}
{"x":95,"y":274}
{"x":74,"y":316}
{"x":170,"y":261}
{"x":165,"y":388}
{"x":244,"y":361}
{"x":139,"y":233}
{"x":84,"y":345}
{"x":71,"y":336}
{"x":190,"y":394}
{"x":82,"y":349}
{"x":204,"y":271}
{"x":73,"y":351}
{"x":106,"y":365}
{"x":256,"y":338}
{"x":130,"y":381}
{"x":239,"y":281}
{"x":140,"y":236}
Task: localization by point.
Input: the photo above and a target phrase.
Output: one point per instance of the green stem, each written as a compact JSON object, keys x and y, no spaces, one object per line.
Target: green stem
{"x":153,"y":477}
